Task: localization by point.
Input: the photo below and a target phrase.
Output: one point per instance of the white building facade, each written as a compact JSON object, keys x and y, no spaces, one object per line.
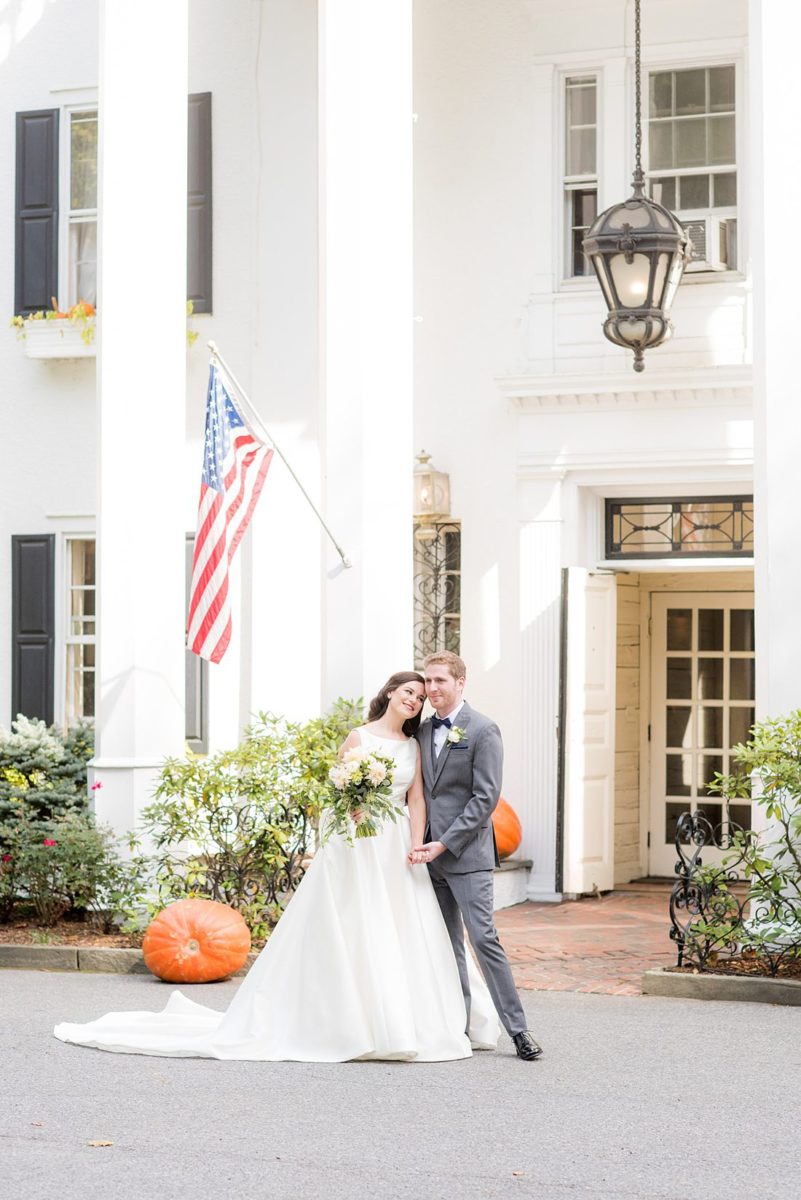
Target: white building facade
{"x":381,"y":232}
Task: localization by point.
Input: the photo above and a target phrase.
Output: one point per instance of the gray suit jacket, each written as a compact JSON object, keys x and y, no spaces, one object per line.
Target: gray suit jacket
{"x":462,"y":787}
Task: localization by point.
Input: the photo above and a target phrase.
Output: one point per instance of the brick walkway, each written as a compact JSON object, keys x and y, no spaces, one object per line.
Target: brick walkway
{"x":588,"y":945}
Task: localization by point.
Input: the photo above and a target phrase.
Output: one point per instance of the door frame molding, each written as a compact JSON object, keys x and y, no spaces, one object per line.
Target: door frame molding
{"x":656,"y":582}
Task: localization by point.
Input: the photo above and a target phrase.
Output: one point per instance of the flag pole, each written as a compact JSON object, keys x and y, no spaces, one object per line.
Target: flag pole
{"x":346,"y":562}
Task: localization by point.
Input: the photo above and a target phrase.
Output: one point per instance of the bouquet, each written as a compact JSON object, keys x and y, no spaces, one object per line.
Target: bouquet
{"x":361,"y":784}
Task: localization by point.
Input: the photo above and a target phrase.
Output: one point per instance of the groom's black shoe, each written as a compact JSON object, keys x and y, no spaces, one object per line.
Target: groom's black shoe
{"x":525,"y":1046}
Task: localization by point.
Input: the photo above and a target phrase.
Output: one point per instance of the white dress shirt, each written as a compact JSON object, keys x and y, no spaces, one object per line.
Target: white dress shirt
{"x":441,"y":733}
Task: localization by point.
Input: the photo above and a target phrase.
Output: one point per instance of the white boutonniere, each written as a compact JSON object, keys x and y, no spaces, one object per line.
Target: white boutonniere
{"x":456,"y":735}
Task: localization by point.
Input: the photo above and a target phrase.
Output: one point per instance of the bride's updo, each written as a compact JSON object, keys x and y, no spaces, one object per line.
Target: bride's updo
{"x":380,"y":703}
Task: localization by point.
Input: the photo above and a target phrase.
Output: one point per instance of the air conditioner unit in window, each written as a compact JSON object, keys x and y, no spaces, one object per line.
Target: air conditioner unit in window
{"x":714,"y":243}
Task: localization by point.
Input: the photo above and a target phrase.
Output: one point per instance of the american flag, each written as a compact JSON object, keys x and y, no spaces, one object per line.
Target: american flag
{"x":235,"y":463}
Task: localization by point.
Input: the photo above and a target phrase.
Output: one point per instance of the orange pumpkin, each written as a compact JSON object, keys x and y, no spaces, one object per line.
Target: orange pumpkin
{"x":508,"y":830}
{"x":196,"y":941}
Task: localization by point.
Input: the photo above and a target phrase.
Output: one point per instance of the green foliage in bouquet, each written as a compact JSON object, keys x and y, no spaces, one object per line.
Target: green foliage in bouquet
{"x":238,"y":826}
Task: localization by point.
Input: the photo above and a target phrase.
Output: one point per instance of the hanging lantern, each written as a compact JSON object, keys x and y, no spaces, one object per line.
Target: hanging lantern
{"x":432,"y":491}
{"x":638,"y":250}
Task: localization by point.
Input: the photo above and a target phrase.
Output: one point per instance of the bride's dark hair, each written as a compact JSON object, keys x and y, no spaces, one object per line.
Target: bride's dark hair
{"x":380,"y":703}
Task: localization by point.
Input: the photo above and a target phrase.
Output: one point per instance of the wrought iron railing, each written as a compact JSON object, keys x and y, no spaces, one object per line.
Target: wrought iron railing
{"x":731,"y":918}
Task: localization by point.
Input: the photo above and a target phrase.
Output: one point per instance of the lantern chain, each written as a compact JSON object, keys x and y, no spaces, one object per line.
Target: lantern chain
{"x":638,"y":175}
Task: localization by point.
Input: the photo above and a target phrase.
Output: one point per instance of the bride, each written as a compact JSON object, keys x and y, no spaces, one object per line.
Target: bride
{"x":360,"y":966}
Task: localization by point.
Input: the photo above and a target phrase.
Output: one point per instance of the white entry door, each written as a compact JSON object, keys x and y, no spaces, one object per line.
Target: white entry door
{"x":702,"y":704}
{"x":589,"y":748}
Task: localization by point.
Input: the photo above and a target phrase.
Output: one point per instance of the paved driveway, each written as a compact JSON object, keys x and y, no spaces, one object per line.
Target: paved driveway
{"x":637,"y":1098}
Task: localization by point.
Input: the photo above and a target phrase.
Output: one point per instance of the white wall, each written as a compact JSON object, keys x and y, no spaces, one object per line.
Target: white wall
{"x":518,"y":396}
{"x":47,"y":410}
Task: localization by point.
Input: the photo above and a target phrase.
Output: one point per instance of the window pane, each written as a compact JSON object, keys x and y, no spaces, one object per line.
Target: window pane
{"x":584,"y":207}
{"x":83,"y":262}
{"x":725,"y":190}
{"x":672,"y":814}
{"x":83,"y":160}
{"x":664,"y":190}
{"x":710,"y":629}
{"x":708,"y":766}
{"x":691,"y":142}
{"x":678,"y":774}
{"x":581,"y":152}
{"x":581,"y":103}
{"x":721,"y":89}
{"x":694,"y":191}
{"x":710,"y":679}
{"x":740,"y":722}
{"x":679,"y":629}
{"x":661,"y":145}
{"x":679,"y":732}
{"x":721,"y":140}
{"x":690,"y":92}
{"x":679,"y":678}
{"x":742,"y":678}
{"x":742,"y":629}
{"x":740,"y":814}
{"x":661,"y":101}
{"x":710,"y":728}
{"x":713,"y":814}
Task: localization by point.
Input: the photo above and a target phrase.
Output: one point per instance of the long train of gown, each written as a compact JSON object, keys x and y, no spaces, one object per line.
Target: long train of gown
{"x":360,"y":966}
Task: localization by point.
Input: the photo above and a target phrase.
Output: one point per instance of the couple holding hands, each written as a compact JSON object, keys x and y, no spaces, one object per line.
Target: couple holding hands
{"x":369,"y":960}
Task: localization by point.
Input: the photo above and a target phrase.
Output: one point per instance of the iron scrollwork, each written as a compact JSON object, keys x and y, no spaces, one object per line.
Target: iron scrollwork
{"x":437,"y":587}
{"x":722,"y":922}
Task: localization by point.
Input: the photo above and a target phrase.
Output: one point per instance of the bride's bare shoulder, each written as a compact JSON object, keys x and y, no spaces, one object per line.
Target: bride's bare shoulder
{"x":353,"y":739}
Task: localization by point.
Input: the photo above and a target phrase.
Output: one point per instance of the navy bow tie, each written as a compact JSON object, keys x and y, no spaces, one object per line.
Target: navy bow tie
{"x":438,"y":722}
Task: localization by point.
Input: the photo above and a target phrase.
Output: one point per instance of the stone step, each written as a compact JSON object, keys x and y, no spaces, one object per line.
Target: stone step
{"x":511,"y":882}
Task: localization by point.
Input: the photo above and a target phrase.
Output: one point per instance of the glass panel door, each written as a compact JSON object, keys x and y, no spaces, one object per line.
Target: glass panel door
{"x":702,"y":704}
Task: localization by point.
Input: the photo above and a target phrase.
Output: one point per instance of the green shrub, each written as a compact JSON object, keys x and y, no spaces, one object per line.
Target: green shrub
{"x":65,"y":863}
{"x":43,"y":768}
{"x":237,"y":826}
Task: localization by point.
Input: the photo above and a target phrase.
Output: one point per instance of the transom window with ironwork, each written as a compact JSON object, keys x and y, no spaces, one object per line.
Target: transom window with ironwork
{"x":712,"y":526}
{"x":437,"y":587}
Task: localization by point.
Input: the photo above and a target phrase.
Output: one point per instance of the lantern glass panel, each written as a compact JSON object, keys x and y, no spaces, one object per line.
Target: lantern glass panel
{"x":660,"y":275}
{"x":631,"y":279}
{"x":600,"y":265}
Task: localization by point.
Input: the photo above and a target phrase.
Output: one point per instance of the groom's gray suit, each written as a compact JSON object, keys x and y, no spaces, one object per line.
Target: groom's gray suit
{"x":462,"y":787}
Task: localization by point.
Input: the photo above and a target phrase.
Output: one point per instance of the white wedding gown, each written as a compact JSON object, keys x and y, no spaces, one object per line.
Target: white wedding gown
{"x":360,"y":966}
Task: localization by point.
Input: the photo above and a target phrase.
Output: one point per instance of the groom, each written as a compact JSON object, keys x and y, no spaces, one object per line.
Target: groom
{"x":462,"y":756}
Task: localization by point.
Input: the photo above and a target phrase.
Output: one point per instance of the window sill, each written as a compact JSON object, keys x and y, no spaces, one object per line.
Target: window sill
{"x":57,"y":339}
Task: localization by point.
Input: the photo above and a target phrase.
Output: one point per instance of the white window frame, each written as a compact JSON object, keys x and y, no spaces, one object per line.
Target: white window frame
{"x":67,"y":528}
{"x":70,"y":638}
{"x":69,"y":101}
{"x":732,"y":54}
{"x":576,"y":183}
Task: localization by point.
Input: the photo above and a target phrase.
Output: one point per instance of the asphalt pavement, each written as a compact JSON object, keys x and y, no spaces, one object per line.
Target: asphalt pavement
{"x":636,"y":1097}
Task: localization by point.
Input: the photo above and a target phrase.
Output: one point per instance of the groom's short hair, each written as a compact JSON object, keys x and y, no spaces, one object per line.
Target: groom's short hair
{"x":448,"y":659}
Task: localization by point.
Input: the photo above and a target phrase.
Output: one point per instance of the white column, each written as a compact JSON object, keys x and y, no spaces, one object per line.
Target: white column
{"x":775,"y":175}
{"x":142,"y":396}
{"x":366,"y":336}
{"x":540,"y":598}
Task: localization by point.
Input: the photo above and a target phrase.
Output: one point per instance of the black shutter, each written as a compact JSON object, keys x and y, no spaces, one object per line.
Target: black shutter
{"x":198,"y":233}
{"x":32,"y":626}
{"x":36,"y":277}
{"x":196,"y":678}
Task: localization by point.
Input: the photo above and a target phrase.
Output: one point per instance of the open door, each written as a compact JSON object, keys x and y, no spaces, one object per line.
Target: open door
{"x":589,"y":731}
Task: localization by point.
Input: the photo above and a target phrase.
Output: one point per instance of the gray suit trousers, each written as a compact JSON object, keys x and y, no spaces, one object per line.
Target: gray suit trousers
{"x":470,"y":897}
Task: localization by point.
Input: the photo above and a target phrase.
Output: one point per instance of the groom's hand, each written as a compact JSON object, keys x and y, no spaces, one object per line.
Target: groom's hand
{"x":429,"y":851}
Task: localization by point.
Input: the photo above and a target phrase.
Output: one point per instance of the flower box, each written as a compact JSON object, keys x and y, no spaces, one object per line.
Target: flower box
{"x":58,"y":338}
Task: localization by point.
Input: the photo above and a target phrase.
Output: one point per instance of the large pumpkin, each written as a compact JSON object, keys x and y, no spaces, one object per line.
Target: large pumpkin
{"x":196,"y":941}
{"x":508,"y":830}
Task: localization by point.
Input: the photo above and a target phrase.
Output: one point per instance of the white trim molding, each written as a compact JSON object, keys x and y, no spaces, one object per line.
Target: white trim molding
{"x":729,"y":386}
